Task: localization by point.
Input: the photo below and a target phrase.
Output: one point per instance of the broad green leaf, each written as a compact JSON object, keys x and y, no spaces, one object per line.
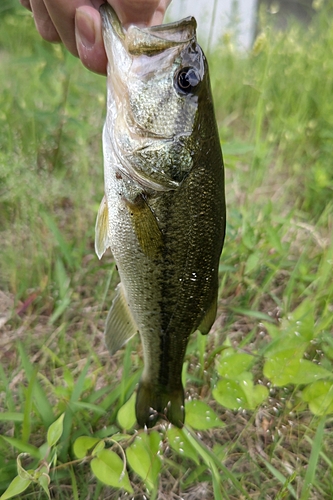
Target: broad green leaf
{"x":98,"y":448}
{"x":296,"y":331}
{"x":83,"y":444}
{"x":152,"y":441}
{"x":235,"y":364}
{"x":55,"y":430}
{"x":110,"y":470}
{"x":44,"y":481}
{"x":230,"y":394}
{"x":181,"y":445}
{"x":284,"y":368}
{"x":286,"y":342}
{"x":228,"y":350}
{"x":17,"y":486}
{"x":143,"y":457}
{"x":200,"y":416}
{"x":126,"y":415}
{"x":319,"y":397}
{"x":235,"y":394}
{"x":140,"y":461}
{"x":24,"y":474}
{"x":255,"y":394}
{"x":302,"y":319}
{"x":273,"y":330}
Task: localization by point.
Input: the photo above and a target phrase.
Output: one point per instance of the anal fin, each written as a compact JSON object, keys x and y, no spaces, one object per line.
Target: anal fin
{"x":120,"y":325}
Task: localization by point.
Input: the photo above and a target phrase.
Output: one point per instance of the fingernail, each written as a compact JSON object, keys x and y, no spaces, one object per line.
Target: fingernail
{"x":85,"y":29}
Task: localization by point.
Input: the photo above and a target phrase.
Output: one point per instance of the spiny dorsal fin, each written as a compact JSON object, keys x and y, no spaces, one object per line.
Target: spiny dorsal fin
{"x":102,"y":241}
{"x":145,"y":226}
{"x":120,"y":325}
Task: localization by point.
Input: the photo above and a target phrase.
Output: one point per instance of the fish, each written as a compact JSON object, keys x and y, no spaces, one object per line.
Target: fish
{"x":163,"y":213}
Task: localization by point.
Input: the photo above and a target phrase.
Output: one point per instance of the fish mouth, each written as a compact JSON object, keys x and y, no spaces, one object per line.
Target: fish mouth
{"x":149,"y":40}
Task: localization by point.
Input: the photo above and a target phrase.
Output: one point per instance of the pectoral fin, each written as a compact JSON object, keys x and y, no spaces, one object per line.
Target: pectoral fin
{"x":209,"y":318}
{"x":102,"y":242}
{"x":145,"y":226}
{"x":120,"y":325}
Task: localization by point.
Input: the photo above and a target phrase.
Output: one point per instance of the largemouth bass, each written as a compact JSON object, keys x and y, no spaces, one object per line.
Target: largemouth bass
{"x":163,"y":213}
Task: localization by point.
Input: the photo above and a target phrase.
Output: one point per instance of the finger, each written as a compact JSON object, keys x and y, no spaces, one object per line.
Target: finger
{"x":26,"y":4}
{"x":88,"y":32}
{"x":89,"y":39}
{"x":159,"y":13}
{"x":62,"y":13}
{"x":43,"y":22}
{"x":135,"y":11}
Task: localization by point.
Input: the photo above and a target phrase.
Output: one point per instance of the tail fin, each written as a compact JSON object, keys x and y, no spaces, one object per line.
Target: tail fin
{"x":154,"y":402}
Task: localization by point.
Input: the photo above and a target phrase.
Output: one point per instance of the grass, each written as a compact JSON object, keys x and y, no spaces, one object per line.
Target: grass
{"x":264,"y":370}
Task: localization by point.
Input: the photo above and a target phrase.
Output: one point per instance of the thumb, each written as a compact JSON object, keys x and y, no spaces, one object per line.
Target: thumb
{"x":89,"y":40}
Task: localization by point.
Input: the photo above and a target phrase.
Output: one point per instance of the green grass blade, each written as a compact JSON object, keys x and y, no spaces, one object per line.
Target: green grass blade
{"x":313,"y":461}
{"x":79,"y":386}
{"x":23,"y":447}
{"x":127,"y":368}
{"x":41,"y":402}
{"x":11,"y":416}
{"x":280,"y":477}
{"x":70,"y":411}
{"x":26,"y":426}
{"x":9,"y":396}
{"x":75,"y":491}
{"x":213,"y":462}
{"x":65,"y":248}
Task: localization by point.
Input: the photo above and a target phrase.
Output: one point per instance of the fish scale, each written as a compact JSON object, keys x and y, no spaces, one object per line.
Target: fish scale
{"x":163,"y":213}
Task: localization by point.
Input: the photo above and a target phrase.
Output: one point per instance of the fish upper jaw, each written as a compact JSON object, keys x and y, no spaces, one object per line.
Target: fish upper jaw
{"x":146,"y":40}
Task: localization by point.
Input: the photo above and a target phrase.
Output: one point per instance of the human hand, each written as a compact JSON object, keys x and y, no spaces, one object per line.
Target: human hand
{"x":77,"y":23}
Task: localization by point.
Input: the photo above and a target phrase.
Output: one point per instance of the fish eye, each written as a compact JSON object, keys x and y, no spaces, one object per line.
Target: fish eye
{"x":186,"y":80}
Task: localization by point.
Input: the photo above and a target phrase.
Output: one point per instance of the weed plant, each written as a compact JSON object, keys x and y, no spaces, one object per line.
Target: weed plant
{"x":260,"y":387}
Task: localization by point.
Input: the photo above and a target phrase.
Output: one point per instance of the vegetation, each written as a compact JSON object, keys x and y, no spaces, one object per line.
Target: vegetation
{"x":260,"y":386}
